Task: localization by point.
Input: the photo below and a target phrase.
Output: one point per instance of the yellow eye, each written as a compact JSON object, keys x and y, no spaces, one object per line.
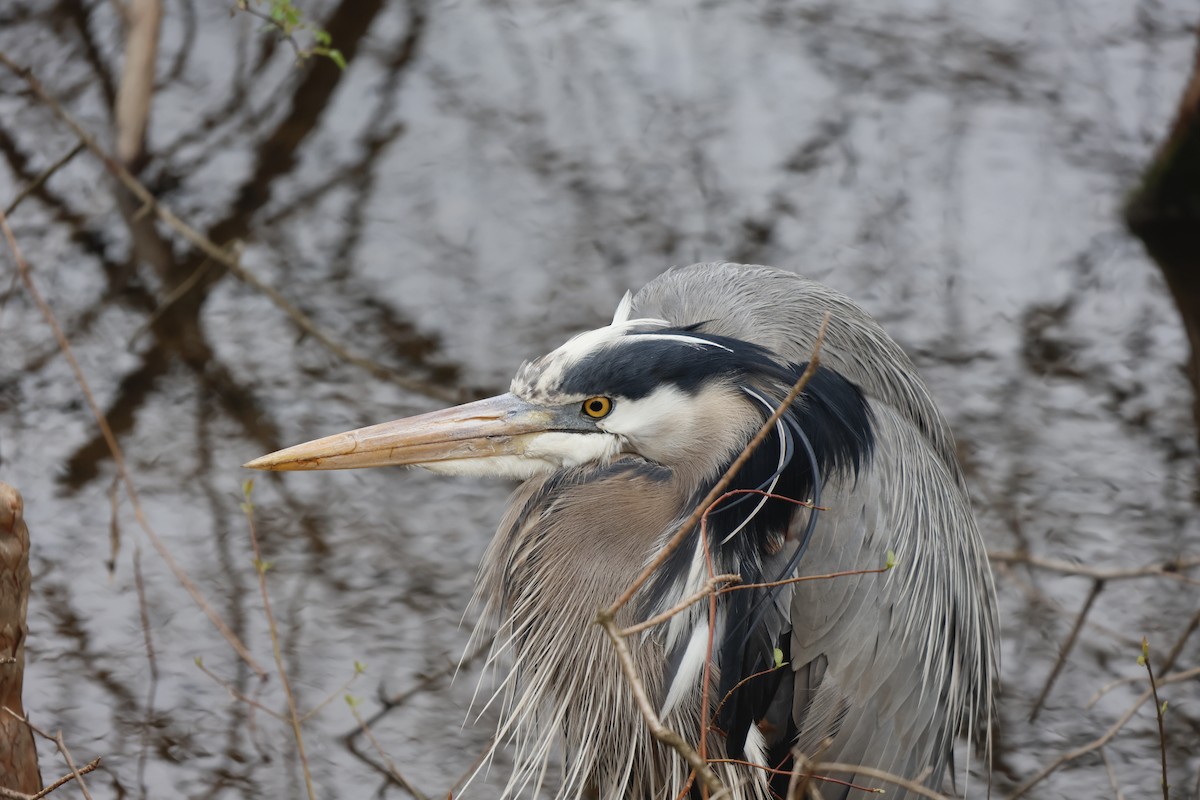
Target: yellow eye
{"x":597,"y":407}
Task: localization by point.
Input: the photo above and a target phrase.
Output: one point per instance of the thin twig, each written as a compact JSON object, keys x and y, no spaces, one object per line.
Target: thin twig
{"x":794,"y":579}
{"x":218,"y":253}
{"x":75,"y":773}
{"x":428,"y":679}
{"x":118,"y":456}
{"x":1159,"y":709}
{"x":706,"y":718}
{"x":1112,"y":775}
{"x":657,"y":729}
{"x":607,"y":617}
{"x":1068,"y":645}
{"x":825,"y":576}
{"x":711,"y":584}
{"x":1104,"y":738}
{"x":237,"y":695}
{"x":42,"y":177}
{"x":777,"y":771}
{"x":260,"y":567}
{"x":883,"y":775}
{"x":152,"y":689}
{"x":1166,"y":666}
{"x":709,"y":588}
{"x":393,"y":770}
{"x":717,"y":711}
{"x":469,"y":771}
{"x":15,"y":795}
{"x":686,"y":791}
{"x":719,"y":488}
{"x":1039,"y":598}
{"x":171,"y":299}
{"x":341,"y":690}
{"x":1167,"y":569}
{"x":798,"y":783}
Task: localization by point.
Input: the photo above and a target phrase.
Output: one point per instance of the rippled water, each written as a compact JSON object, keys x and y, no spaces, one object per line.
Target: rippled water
{"x":486,"y":179}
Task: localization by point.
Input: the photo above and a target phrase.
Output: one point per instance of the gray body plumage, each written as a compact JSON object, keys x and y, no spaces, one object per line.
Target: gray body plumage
{"x":618,"y":435}
{"x":884,"y":669}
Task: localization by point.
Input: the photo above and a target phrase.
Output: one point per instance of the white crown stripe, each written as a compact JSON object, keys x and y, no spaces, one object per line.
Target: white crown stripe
{"x":678,"y":337}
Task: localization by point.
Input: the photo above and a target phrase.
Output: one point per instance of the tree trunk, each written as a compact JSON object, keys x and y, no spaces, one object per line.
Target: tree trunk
{"x":1164,"y":212}
{"x":18,"y":753}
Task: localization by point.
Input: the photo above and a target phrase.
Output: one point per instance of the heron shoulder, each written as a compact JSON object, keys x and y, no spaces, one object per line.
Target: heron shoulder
{"x":782,"y":311}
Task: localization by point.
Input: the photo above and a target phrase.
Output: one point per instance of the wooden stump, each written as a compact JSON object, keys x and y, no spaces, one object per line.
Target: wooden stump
{"x":18,"y":753}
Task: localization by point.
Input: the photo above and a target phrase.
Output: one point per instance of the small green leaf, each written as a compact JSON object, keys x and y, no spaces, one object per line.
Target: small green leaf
{"x":200,"y":662}
{"x":248,"y":487}
{"x":336,"y":57}
{"x":262,"y":566}
{"x":359,"y":668}
{"x":1145,"y":648}
{"x":778,"y":658}
{"x":1141,"y":661}
{"x":352,"y":701}
{"x":891,"y":559}
{"x":1162,"y":711}
{"x":322,"y":37}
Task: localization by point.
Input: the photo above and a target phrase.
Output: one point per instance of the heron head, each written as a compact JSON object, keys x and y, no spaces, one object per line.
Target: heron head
{"x":675,"y":396}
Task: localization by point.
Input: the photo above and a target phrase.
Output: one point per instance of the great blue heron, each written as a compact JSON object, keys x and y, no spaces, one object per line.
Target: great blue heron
{"x":617,"y":436}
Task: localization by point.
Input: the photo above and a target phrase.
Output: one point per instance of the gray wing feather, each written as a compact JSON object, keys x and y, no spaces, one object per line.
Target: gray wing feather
{"x":889,"y":667}
{"x":882,"y":660}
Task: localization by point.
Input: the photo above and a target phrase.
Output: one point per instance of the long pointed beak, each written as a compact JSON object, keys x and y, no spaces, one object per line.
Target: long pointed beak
{"x":496,"y":426}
